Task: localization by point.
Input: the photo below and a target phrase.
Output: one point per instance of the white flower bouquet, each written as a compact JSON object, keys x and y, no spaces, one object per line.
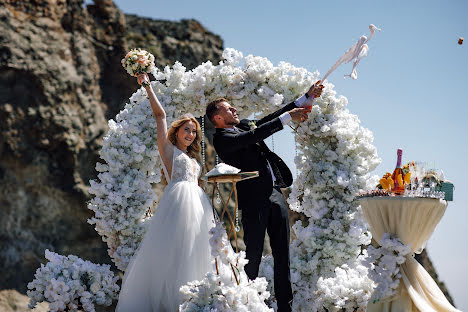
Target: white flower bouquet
{"x":385,"y":264}
{"x":72,"y":284}
{"x":138,"y":61}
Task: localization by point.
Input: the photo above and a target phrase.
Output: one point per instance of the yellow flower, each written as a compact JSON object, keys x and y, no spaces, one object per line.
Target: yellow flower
{"x":408,"y":177}
{"x":384,"y":183}
{"x":390,"y":182}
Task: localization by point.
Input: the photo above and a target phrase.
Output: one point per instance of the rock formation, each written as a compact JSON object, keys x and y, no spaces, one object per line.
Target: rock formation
{"x":60,"y":81}
{"x":13,"y":301}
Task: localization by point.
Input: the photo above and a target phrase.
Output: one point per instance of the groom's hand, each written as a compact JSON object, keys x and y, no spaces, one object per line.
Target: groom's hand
{"x":299,"y":114}
{"x":316,"y":90}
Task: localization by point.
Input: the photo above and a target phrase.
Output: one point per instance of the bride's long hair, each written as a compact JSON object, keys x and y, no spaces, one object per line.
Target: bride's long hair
{"x":194,"y":149}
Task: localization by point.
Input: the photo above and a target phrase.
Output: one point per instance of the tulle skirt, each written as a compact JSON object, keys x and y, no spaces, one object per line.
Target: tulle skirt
{"x":174,"y":251}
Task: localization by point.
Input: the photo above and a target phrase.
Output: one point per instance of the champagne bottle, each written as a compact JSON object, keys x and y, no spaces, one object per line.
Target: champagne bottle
{"x":397,"y":176}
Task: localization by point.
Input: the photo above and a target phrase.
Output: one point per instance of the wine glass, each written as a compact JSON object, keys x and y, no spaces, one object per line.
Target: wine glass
{"x":419,"y":174}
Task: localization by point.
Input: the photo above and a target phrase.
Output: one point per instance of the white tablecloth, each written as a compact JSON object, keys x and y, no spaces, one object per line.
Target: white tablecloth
{"x":412,"y":221}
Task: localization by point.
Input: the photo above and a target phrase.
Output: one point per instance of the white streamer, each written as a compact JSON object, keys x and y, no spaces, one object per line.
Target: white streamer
{"x":356,"y":53}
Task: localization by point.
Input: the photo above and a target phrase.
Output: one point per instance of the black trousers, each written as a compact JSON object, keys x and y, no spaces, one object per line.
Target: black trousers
{"x":270,"y":215}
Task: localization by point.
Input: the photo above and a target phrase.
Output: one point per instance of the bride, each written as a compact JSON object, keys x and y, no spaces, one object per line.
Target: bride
{"x":175,"y":249}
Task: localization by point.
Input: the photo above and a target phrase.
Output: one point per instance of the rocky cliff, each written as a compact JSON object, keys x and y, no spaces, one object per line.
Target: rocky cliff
{"x":60,"y":81}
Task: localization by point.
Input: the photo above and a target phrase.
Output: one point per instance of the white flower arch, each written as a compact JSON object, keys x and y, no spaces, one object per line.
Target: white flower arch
{"x":335,"y":159}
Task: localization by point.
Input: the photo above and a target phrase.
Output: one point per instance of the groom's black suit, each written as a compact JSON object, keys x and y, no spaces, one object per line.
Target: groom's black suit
{"x":262,"y":203}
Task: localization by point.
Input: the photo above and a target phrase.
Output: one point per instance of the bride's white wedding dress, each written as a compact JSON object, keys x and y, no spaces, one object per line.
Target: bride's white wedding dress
{"x":175,"y":249}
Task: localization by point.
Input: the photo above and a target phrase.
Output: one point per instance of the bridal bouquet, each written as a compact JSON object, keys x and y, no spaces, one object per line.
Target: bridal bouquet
{"x":72,"y":284}
{"x":138,"y":61}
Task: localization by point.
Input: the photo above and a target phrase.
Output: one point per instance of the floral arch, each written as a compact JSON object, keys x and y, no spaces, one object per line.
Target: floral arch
{"x":335,"y":158}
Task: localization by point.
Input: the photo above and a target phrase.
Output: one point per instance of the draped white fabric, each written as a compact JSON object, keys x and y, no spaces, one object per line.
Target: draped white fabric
{"x":412,"y":221}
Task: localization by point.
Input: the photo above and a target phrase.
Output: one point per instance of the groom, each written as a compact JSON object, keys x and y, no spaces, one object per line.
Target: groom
{"x":240,"y":144}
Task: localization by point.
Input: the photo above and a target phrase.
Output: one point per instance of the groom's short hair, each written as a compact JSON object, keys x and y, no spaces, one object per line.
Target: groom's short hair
{"x":212,"y":109}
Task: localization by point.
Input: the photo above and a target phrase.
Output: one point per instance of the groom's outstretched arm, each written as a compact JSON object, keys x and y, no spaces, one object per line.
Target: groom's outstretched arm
{"x":231,"y":141}
{"x":315,"y":91}
{"x":276,"y":114}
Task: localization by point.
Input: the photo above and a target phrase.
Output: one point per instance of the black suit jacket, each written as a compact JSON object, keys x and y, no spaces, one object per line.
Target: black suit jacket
{"x":247,"y":151}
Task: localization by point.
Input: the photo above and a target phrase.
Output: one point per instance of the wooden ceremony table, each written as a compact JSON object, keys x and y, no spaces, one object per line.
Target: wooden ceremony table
{"x":233,"y":179}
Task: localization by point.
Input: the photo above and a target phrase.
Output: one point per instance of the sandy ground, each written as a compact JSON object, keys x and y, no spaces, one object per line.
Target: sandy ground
{"x":11,"y":300}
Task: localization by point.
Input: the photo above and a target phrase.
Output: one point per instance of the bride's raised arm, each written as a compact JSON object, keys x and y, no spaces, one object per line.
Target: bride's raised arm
{"x":164,"y":145}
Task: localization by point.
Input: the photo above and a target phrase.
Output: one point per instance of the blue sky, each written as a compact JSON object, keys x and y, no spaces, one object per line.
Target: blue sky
{"x":411,"y":91}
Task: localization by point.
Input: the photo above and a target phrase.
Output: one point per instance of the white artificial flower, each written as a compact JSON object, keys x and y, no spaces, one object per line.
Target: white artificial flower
{"x":64,"y":290}
{"x":384,"y":266}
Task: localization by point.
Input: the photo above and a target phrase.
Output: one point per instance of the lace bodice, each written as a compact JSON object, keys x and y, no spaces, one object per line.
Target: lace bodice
{"x":184,"y":168}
